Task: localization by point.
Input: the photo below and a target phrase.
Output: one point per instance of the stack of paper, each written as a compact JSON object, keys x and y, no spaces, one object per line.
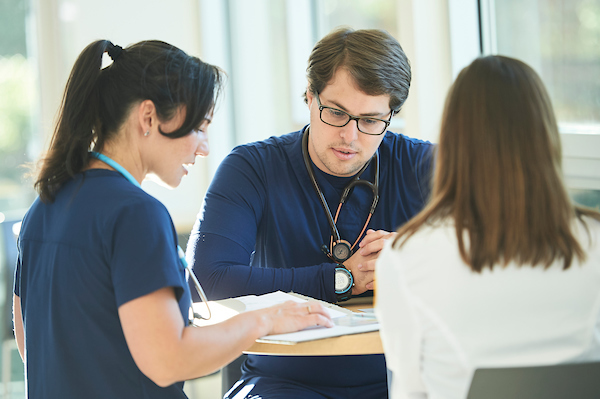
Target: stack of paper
{"x":346,"y":322}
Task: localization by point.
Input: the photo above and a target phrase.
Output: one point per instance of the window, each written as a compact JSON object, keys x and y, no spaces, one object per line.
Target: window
{"x":18,"y":86}
{"x":589,"y":198}
{"x":359,"y":14}
{"x":560,"y":39}
{"x":18,"y":146}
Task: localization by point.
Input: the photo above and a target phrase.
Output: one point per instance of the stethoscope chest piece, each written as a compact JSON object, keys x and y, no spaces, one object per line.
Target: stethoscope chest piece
{"x":341,"y":251}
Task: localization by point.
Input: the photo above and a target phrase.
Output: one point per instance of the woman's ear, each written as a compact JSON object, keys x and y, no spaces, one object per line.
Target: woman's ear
{"x":147,"y":117}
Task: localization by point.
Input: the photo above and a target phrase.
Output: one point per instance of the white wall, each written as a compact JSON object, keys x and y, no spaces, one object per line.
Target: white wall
{"x":425,"y":37}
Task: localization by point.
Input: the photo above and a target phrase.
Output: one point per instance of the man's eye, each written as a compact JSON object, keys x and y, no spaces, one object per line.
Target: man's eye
{"x":336,"y":113}
{"x":370,"y":121}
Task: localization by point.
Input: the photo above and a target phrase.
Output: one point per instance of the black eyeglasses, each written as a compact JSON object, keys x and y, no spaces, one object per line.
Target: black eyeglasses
{"x":338,"y":118}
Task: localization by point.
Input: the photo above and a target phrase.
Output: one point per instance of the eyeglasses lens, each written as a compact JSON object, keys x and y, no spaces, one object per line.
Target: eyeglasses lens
{"x":338,"y":118}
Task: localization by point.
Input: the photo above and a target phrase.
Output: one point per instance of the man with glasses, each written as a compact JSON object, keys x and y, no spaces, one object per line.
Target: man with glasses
{"x":267,"y":222}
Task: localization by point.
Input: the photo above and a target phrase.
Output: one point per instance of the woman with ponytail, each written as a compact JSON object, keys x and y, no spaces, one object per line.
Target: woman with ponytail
{"x":500,"y":269}
{"x":101,"y":301}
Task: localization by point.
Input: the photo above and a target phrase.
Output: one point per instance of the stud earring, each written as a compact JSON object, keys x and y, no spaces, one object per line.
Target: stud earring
{"x":147,"y":133}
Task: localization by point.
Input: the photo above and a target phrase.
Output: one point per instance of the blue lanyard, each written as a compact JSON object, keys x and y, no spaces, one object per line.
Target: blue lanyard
{"x":116,"y":167}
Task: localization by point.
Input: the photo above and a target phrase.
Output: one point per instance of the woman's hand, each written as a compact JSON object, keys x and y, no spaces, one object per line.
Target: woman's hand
{"x":293,"y":316}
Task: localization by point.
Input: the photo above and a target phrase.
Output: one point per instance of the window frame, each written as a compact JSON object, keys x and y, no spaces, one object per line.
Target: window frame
{"x":580,"y":143}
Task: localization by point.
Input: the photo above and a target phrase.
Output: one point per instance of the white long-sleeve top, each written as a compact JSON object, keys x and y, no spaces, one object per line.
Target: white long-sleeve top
{"x":440,"y":321}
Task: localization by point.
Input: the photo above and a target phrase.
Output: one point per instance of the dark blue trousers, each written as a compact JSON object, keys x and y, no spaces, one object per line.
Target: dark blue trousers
{"x":262,"y":387}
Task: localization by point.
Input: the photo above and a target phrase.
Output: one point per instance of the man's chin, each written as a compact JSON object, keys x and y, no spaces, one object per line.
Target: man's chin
{"x":343,"y":169}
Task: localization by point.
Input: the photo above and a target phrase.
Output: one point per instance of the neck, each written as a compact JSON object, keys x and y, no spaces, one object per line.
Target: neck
{"x":129,"y":160}
{"x":116,"y":166}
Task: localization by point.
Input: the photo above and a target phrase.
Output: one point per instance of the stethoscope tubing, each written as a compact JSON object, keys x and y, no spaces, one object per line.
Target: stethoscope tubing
{"x":355,"y":181}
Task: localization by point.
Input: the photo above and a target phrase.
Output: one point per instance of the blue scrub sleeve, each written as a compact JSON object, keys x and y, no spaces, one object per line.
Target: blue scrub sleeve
{"x":16,"y":280}
{"x":223,"y":239}
{"x":222,"y":267}
{"x":144,"y":257}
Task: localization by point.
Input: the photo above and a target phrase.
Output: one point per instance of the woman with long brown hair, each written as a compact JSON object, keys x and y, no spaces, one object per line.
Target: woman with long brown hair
{"x":501,"y":268}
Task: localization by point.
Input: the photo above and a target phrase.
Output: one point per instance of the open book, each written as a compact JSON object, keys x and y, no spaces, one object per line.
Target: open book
{"x":345,"y":321}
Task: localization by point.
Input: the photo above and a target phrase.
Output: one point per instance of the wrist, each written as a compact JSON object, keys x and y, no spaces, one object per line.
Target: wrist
{"x":263,"y":323}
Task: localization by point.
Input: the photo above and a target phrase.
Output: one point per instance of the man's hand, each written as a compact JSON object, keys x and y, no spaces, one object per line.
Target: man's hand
{"x":362,"y":262}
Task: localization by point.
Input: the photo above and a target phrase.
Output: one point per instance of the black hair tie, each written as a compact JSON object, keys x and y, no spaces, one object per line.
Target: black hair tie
{"x":114,"y":52}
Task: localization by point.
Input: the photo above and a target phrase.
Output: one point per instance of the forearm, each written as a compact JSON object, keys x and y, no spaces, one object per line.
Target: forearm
{"x":167,"y":352}
{"x":222,"y":267}
{"x":18,"y":323}
{"x":203,"y":350}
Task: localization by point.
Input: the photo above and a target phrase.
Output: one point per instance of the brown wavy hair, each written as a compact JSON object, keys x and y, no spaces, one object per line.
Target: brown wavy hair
{"x":373,"y":57}
{"x":498,"y":171}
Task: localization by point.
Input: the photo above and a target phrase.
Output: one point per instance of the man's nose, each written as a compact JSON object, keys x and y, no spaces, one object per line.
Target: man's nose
{"x":350,"y":132}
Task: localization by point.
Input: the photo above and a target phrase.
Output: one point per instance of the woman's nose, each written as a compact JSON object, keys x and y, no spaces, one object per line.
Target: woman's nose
{"x":203,"y":148}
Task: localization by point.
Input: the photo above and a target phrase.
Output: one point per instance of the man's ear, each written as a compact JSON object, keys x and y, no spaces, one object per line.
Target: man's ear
{"x":309,"y":96}
{"x":147,"y":116}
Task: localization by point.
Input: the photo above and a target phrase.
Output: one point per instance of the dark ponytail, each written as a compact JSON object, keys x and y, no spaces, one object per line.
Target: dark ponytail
{"x":78,"y":115}
{"x":96,"y":101}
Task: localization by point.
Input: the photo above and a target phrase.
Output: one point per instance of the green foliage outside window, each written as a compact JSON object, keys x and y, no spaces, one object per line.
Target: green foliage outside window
{"x":17,"y":105}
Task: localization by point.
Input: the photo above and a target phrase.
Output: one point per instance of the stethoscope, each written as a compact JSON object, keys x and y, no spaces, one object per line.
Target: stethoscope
{"x":339,"y":250}
{"x":186,"y":266}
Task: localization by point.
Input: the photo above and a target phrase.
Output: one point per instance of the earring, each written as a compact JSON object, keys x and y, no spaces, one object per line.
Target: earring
{"x":147,"y":133}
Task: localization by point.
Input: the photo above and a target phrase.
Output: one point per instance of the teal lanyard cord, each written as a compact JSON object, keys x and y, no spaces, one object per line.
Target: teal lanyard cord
{"x":113,"y":164}
{"x":116,"y":167}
